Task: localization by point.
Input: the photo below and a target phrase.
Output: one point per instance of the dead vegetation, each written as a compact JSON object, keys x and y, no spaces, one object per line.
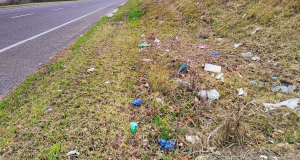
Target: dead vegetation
{"x":93,"y":117}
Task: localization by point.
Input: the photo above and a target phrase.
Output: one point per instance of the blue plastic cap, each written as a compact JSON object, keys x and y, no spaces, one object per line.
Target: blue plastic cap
{"x":162,"y":142}
{"x":183,"y":67}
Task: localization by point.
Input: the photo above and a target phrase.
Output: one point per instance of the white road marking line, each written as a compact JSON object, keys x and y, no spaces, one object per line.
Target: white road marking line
{"x":22,"y":15}
{"x":50,"y":30}
{"x":57,"y":9}
{"x":74,"y":6}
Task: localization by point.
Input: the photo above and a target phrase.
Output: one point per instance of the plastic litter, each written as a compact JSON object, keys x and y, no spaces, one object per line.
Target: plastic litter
{"x":107,"y":82}
{"x":160,"y":22}
{"x":137,"y":102}
{"x":212,"y":75}
{"x":157,"y":41}
{"x":133,"y":126}
{"x":50,"y":109}
{"x":91,"y":69}
{"x":183,"y":67}
{"x":141,"y":49}
{"x":257,"y":84}
{"x":273,"y":77}
{"x":214,"y":53}
{"x":247,"y":54}
{"x":220,"y":76}
{"x":166,"y":145}
{"x":234,"y":69}
{"x":255,"y":58}
{"x":192,"y":139}
{"x":158,"y":100}
{"x":167,"y":50}
{"x":177,"y":37}
{"x":73,"y":153}
{"x":237,"y":45}
{"x":263,"y":157}
{"x":143,"y":35}
{"x":284,"y":89}
{"x":58,"y":90}
{"x":147,"y":60}
{"x":204,"y":37}
{"x":291,"y":103}
{"x":255,"y":30}
{"x":144,"y":45}
{"x":211,"y":95}
{"x":201,"y":47}
{"x":244,"y":15}
{"x":239,"y":75}
{"x":212,"y":68}
{"x":184,"y":82}
{"x":220,"y":39}
{"x":241,"y":92}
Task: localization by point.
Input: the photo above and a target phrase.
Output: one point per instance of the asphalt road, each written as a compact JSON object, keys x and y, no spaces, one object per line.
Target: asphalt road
{"x":30,"y":35}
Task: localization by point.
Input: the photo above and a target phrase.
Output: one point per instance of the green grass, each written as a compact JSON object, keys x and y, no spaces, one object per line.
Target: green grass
{"x":93,"y":117}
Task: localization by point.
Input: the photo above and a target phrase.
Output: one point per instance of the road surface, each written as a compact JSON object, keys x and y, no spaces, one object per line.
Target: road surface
{"x":30,"y":35}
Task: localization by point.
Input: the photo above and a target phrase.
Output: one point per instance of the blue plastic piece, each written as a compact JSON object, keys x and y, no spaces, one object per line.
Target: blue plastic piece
{"x":162,"y":142}
{"x":166,"y":145}
{"x":257,"y":84}
{"x":183,"y":67}
{"x":137,"y":102}
{"x":273,"y":77}
{"x":200,"y":36}
{"x":276,"y":88}
{"x":214,"y":53}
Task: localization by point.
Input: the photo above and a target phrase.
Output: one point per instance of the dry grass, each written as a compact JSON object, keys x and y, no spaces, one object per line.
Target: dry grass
{"x":94,"y":117}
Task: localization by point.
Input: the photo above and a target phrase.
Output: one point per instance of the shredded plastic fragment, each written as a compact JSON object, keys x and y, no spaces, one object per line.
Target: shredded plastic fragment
{"x":160,"y":22}
{"x":144,"y":45}
{"x":212,"y":68}
{"x":291,"y":103}
{"x":167,"y":145}
{"x":241,"y":92}
{"x":263,"y":157}
{"x":133,"y":126}
{"x":201,"y":47}
{"x":273,"y":77}
{"x":192,"y":139}
{"x":147,"y":60}
{"x":237,"y":45}
{"x":91,"y":69}
{"x":183,"y":67}
{"x":73,"y":153}
{"x":284,"y":89}
{"x":220,"y":39}
{"x":247,"y":54}
{"x":185,"y":83}
{"x":260,"y":84}
{"x":255,"y":30}
{"x":137,"y":102}
{"x":255,"y":58}
{"x":220,"y":76}
{"x":211,"y":95}
{"x":143,"y":35}
{"x":157,"y":41}
{"x":214,"y":53}
{"x":107,"y":82}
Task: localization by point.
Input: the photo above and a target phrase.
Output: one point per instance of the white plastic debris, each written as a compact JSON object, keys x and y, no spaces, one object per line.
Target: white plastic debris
{"x":212,"y":68}
{"x":291,"y":103}
{"x":157,"y":41}
{"x":143,"y":35}
{"x":58,"y":90}
{"x":239,"y":75}
{"x":91,"y":69}
{"x":158,"y":100}
{"x":263,"y":157}
{"x":211,"y":95}
{"x":237,"y":45}
{"x":288,"y":89}
{"x":220,"y":39}
{"x":220,"y":76}
{"x":147,"y":60}
{"x":177,"y":37}
{"x":246,"y":54}
{"x":141,"y":49}
{"x":73,"y":153}
{"x":255,"y":30}
{"x":167,"y":50}
{"x":50,"y":109}
{"x":192,"y":139}
{"x":184,"y":82}
{"x":213,"y":75}
{"x":201,"y":17}
{"x":244,"y":15}
{"x":107,"y":82}
{"x":255,"y":58}
{"x":241,"y":92}
{"x":160,"y":22}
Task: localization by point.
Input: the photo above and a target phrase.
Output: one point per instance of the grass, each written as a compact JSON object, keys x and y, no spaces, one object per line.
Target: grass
{"x":93,"y":117}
